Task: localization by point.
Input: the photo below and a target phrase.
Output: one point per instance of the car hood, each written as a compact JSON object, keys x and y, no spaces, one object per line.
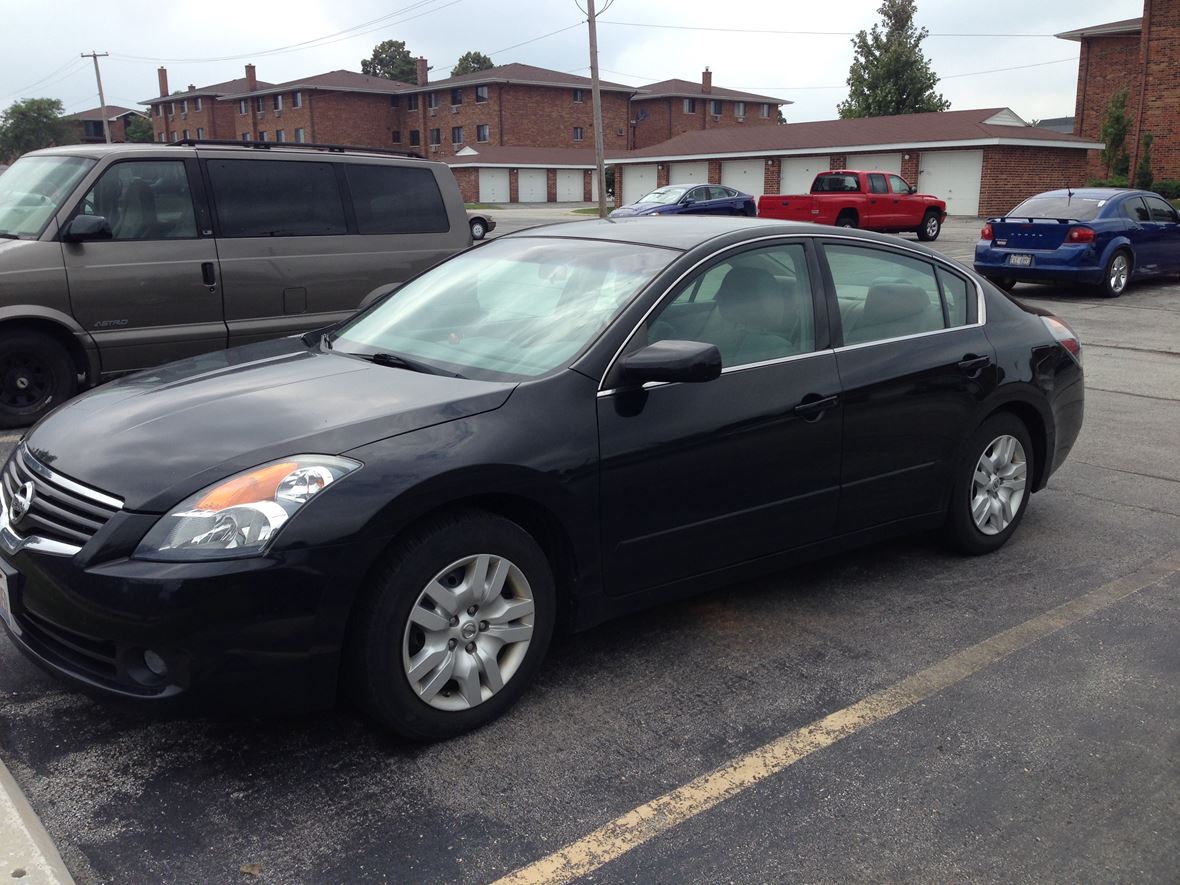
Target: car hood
{"x":635,"y":209}
{"x":156,"y":437}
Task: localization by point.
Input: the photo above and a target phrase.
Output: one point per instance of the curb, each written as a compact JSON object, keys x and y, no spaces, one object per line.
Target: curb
{"x":27,"y":854}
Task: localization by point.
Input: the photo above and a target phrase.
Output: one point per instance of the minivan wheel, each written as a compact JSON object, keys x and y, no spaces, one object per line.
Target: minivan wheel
{"x":477,"y":229}
{"x":457,"y":624}
{"x":991,"y":485}
{"x":36,"y":375}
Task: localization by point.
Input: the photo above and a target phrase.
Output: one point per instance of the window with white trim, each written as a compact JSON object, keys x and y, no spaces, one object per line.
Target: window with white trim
{"x":481,"y":132}
{"x":296,"y":99}
{"x":278,"y":101}
{"x":299,"y":139}
{"x":739,"y":109}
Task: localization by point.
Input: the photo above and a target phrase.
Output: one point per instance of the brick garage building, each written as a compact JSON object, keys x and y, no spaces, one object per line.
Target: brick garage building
{"x":88,"y":124}
{"x":493,"y":174}
{"x":1141,"y":55}
{"x":982,"y":162}
{"x":663,"y":110}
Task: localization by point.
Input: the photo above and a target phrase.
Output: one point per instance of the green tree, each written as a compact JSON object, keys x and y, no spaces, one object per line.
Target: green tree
{"x":140,"y":129}
{"x":1143,"y":174}
{"x":1115,"y":127}
{"x":889,"y":73}
{"x":470,"y":62}
{"x":31,"y":124}
{"x":391,"y":59}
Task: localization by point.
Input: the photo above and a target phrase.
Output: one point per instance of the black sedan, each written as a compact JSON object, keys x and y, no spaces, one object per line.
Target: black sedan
{"x":690,"y":199}
{"x":549,"y":430}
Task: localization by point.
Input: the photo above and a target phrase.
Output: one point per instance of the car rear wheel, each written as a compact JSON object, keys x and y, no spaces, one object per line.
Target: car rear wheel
{"x":36,"y":375}
{"x":931,"y":226}
{"x":1005,"y":283}
{"x":992,"y":483}
{"x":477,"y":229}
{"x":1118,"y":274}
{"x":846,"y":220}
{"x":457,"y":625}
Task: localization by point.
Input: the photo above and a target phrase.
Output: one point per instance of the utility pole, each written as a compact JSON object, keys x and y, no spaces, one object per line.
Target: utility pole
{"x":599,"y":162}
{"x":106,"y":124}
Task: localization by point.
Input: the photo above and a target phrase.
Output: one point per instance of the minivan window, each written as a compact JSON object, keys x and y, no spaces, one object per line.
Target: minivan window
{"x":276,"y":198}
{"x":144,"y":200}
{"x":396,"y":200}
{"x":33,"y":189}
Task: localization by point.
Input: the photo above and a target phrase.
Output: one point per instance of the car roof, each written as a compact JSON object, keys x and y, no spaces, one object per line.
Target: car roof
{"x":253,"y":148}
{"x":1093,"y":192}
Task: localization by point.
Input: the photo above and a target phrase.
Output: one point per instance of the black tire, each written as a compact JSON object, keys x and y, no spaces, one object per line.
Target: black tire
{"x":930,"y":228}
{"x":36,"y":375}
{"x":962,"y":531}
{"x":1005,"y":283}
{"x":1115,"y":284}
{"x":478,"y":229}
{"x":846,"y":219}
{"x":380,"y":631}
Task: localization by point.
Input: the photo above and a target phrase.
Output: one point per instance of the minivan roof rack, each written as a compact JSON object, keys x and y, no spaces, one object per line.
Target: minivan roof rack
{"x":294,"y":145}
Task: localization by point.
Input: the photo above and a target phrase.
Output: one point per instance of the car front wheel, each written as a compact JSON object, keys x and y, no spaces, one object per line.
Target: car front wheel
{"x":36,"y":375}
{"x":992,"y":482}
{"x":477,"y":229}
{"x":458,"y":621}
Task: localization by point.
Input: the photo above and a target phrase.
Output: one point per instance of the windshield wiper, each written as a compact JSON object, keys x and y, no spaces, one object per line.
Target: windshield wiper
{"x":397,"y":361}
{"x":8,"y":236}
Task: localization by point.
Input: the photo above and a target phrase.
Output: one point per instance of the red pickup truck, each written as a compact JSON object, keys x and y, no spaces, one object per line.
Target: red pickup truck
{"x":870,"y":200}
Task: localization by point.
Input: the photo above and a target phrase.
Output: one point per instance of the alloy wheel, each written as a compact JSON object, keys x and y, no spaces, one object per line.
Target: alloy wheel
{"x":1119,"y":272}
{"x":998,"y":485}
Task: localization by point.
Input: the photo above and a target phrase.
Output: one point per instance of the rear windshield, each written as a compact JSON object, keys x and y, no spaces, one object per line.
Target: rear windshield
{"x":838,"y":182}
{"x":1076,"y":208}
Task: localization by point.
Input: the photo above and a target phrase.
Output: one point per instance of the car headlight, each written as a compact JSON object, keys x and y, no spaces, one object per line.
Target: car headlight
{"x":239,"y":516}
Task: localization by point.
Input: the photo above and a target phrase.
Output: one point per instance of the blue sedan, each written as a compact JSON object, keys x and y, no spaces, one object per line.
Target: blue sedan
{"x":1100,"y":236}
{"x":690,"y":199}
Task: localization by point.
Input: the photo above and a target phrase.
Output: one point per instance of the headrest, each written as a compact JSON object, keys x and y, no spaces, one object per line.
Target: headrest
{"x":889,"y":302}
{"x":749,"y":297}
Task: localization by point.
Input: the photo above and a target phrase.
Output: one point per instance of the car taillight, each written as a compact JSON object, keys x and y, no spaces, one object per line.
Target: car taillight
{"x":1078,"y":234}
{"x":1064,"y":335}
{"x":987,"y":233}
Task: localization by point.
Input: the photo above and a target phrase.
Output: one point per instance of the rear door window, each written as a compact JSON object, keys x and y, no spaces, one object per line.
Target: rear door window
{"x":1134,"y":209}
{"x":396,"y":200}
{"x":957,"y":295}
{"x":276,"y":198}
{"x":877,"y":184}
{"x":1160,"y":211}
{"x":882,"y":294}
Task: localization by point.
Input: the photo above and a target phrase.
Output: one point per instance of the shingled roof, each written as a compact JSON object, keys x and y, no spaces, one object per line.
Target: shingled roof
{"x":113,"y":112}
{"x":241,"y":84}
{"x":335,"y":81}
{"x":688,"y":89}
{"x":1110,"y":29}
{"x":525,"y":74}
{"x":548,"y":157}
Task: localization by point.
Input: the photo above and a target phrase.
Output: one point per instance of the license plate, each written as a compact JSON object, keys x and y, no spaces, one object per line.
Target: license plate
{"x":6,"y":604}
{"x":1020,"y":260}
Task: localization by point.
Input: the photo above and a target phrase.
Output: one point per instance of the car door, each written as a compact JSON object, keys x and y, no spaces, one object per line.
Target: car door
{"x":881,"y":204}
{"x":908,"y":208}
{"x":696,"y":477}
{"x":1165,"y":235}
{"x":151,"y":293}
{"x":698,"y":201}
{"x":915,"y":364}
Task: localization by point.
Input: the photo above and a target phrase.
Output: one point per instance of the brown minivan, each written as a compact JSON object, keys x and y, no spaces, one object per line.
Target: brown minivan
{"x":115,"y":258}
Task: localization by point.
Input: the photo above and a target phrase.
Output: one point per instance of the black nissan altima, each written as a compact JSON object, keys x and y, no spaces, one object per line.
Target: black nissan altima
{"x":543,"y":432}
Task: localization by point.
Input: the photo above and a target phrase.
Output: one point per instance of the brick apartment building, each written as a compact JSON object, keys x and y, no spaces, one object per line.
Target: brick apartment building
{"x":1141,"y":55}
{"x":663,"y":110}
{"x":88,"y":124}
{"x":197,"y":113}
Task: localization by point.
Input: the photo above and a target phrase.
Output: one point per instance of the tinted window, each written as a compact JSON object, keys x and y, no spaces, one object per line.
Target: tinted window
{"x":877,"y":184}
{"x":1160,"y":211}
{"x":144,"y":201}
{"x":276,"y":198}
{"x":956,"y":295}
{"x":1074,"y":207}
{"x":722,"y":193}
{"x":838,"y":183}
{"x":755,"y":306}
{"x":1134,"y":209}
{"x":899,"y":184}
{"x":883,"y":295}
{"x":396,"y":200}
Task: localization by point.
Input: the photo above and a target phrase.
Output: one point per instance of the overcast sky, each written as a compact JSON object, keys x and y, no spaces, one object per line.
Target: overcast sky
{"x":42,"y":41}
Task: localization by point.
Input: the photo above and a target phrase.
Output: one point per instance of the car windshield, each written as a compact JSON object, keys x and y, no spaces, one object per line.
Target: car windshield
{"x":1075,"y":207}
{"x":32,"y":190}
{"x":664,"y":196}
{"x":515,"y":308}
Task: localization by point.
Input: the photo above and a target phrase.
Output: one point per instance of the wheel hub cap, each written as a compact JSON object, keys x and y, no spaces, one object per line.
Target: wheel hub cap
{"x":998,"y":485}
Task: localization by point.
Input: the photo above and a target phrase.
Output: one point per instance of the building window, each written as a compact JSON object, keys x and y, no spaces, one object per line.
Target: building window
{"x":397,"y":136}
{"x":579,"y":95}
{"x":764,"y":110}
{"x":481,"y":132}
{"x":197,"y":106}
{"x":245,"y":136}
{"x":172,"y":136}
{"x":184,"y":106}
{"x":456,"y":96}
{"x":436,"y":136}
{"x":411,"y":102}
{"x":432,"y":100}
{"x":184,"y":134}
{"x":163,"y":137}
{"x":296,"y":99}
{"x":242,"y":108}
{"x":456,"y":135}
{"x":278,"y":101}
{"x":481,"y":94}
{"x":690,"y":106}
{"x":395,"y":101}
{"x":715,"y":108}
{"x":201,"y":133}
{"x":578,"y":133}
{"x":158,"y":109}
{"x":415,"y":138}
{"x":262,"y":135}
{"x":299,"y":136}
{"x":280,"y":135}
{"x":171,"y":109}
{"x":260,"y":104}
{"x":739,"y":109}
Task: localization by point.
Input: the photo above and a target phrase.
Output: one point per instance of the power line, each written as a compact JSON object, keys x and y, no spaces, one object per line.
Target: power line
{"x":792,"y":33}
{"x":542,"y":37}
{"x":72,"y":61}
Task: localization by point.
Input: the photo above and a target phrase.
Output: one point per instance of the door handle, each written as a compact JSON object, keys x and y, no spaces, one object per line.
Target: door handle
{"x":207,"y":274}
{"x":813,"y":406}
{"x":972,"y":365}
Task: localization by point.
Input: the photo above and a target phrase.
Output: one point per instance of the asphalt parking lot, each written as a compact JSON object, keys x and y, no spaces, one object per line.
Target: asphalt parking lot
{"x":898,"y":714}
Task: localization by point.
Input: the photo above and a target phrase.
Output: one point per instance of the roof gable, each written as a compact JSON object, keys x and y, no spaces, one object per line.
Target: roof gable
{"x":677,"y":88}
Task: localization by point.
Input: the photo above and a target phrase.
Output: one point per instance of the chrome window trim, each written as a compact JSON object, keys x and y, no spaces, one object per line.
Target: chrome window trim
{"x":31,"y":462}
{"x":12,"y":543}
{"x":980,"y":318}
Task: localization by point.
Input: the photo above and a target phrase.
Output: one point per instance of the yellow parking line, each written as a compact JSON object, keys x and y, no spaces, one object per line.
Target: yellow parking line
{"x":644,"y":823}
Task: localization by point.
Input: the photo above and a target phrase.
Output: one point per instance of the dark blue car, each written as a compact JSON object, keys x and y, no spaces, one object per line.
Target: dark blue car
{"x":690,"y":199}
{"x":1099,"y":236}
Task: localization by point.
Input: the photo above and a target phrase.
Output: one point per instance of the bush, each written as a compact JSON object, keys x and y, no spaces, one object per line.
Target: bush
{"x":1168,"y":188}
{"x":1143,"y":174}
{"x":1106,"y":182}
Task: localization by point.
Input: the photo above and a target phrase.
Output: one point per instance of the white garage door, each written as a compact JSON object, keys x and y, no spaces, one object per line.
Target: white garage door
{"x":637,"y":181}
{"x":878,"y":162}
{"x":745,"y":175}
{"x":953,"y":176}
{"x":689,"y":173}
{"x":493,"y":185}
{"x":799,"y":172}
{"x":531,"y":186}
{"x":569,"y":186}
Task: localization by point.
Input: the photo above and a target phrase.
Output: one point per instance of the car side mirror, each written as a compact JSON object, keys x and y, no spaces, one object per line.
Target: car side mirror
{"x":687,"y":201}
{"x":689,"y":361}
{"x":87,"y":227}
{"x":911,"y":190}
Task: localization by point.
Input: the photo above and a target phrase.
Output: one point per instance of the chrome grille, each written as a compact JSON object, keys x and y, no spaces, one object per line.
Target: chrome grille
{"x":61,"y":509}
